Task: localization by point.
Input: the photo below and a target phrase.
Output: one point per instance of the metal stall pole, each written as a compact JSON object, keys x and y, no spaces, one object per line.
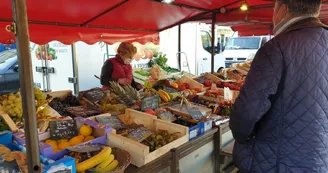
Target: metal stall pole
{"x":20,"y":28}
{"x":179,"y":46}
{"x":75,"y":70}
{"x":213,"y":41}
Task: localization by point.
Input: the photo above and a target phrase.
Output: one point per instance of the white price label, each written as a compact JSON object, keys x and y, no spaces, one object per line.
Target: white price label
{"x":193,"y":134}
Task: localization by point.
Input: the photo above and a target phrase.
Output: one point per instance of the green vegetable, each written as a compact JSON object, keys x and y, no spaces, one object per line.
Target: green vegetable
{"x":161,"y":60}
{"x":142,"y":73}
{"x":170,"y":69}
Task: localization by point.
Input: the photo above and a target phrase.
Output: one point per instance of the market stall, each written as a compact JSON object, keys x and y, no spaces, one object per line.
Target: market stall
{"x":167,"y":121}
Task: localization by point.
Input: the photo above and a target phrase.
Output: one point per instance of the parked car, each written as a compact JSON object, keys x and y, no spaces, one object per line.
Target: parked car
{"x":9,"y":76}
{"x":241,"y":49}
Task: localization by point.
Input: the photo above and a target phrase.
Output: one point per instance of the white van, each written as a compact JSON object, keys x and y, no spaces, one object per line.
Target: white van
{"x":240,"y":49}
{"x":195,"y":48}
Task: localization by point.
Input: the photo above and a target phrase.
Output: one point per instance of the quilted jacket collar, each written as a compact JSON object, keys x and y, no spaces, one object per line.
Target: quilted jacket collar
{"x":305,"y":23}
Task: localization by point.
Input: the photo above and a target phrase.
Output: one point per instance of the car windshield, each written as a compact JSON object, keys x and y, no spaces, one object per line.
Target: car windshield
{"x":6,"y":58}
{"x":243,"y":43}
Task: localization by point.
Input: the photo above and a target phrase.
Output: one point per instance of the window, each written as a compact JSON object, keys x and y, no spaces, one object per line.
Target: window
{"x":7,"y":58}
{"x":206,"y":41}
{"x":243,"y":43}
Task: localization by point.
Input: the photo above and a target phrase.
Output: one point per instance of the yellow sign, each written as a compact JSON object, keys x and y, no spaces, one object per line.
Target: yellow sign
{"x":224,"y":31}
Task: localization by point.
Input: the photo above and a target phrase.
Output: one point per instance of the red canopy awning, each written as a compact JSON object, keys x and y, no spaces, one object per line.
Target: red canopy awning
{"x":95,"y":20}
{"x":110,"y":21}
{"x":258,"y":17}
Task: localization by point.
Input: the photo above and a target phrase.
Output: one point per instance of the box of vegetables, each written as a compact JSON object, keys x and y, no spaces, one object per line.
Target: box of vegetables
{"x":144,"y":136}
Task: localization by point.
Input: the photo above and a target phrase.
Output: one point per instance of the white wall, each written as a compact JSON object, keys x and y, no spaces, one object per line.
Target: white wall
{"x":169,"y":45}
{"x":90,"y":61}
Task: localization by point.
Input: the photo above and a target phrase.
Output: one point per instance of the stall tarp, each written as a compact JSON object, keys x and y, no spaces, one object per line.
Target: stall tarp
{"x":110,"y":21}
{"x":253,"y":29}
{"x":95,"y":20}
{"x":42,"y":34}
{"x":259,"y":15}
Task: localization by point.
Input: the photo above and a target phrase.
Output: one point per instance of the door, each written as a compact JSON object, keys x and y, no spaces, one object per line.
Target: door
{"x":59,"y":62}
{"x":53,"y":66}
{"x":37,"y":66}
{"x":205,"y":53}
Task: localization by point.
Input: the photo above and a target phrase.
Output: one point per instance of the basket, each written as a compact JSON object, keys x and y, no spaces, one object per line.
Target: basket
{"x":123,"y":158}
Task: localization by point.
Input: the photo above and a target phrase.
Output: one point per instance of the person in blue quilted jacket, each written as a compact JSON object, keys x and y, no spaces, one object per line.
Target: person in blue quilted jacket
{"x":280,"y":119}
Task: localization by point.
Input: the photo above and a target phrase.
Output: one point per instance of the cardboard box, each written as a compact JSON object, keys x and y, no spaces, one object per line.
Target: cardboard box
{"x":99,"y":131}
{"x":200,"y":129}
{"x":66,"y":164}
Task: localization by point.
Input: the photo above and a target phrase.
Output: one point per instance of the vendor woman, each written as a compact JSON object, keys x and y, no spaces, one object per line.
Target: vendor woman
{"x":118,"y":68}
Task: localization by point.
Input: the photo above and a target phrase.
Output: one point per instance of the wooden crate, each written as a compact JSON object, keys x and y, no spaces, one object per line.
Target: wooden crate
{"x":140,"y":154}
{"x":174,"y":109}
{"x":212,"y":77}
{"x":192,"y":83}
{"x":60,"y":94}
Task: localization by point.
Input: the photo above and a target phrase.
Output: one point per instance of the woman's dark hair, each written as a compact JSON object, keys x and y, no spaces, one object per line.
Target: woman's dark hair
{"x":302,"y":7}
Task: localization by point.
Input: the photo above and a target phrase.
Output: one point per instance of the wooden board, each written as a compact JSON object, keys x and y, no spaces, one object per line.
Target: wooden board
{"x":192,"y":83}
{"x":11,"y":124}
{"x":140,"y":154}
{"x":60,"y":94}
{"x":211,"y":77}
{"x":151,"y":102}
{"x":227,"y":150}
{"x":174,"y":108}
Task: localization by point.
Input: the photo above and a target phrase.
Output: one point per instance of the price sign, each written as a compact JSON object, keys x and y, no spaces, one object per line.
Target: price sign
{"x":150,"y":103}
{"x":170,"y":90}
{"x":63,"y":129}
{"x":85,"y":148}
{"x":113,"y":121}
{"x":139,"y":134}
{"x":195,"y":113}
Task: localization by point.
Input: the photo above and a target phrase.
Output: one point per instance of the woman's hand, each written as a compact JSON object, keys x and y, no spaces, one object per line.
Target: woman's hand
{"x":124,"y":81}
{"x":139,"y":87}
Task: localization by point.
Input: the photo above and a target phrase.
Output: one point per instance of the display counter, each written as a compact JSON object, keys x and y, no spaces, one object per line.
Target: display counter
{"x":171,"y":162}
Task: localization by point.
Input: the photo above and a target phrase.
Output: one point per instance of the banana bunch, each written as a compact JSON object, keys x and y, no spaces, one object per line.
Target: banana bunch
{"x":148,"y":88}
{"x":167,"y":97}
{"x":164,"y":95}
{"x":102,"y":162}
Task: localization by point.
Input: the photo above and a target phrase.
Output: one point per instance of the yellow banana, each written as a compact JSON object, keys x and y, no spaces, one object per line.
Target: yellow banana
{"x":95,"y":160}
{"x":104,"y":164}
{"x":112,"y":166}
{"x":163,"y":97}
{"x":165,"y":93}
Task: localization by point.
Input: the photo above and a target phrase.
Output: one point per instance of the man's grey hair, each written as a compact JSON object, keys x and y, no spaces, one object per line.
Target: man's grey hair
{"x":302,"y":7}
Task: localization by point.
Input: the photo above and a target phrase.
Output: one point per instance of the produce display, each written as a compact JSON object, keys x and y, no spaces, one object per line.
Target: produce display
{"x":101,"y":161}
{"x":61,"y":105}
{"x":142,"y":73}
{"x":125,"y":95}
{"x":161,"y":61}
{"x":183,"y":102}
{"x":159,"y":139}
{"x":14,"y":156}
{"x":85,"y":135}
{"x":11,"y":104}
